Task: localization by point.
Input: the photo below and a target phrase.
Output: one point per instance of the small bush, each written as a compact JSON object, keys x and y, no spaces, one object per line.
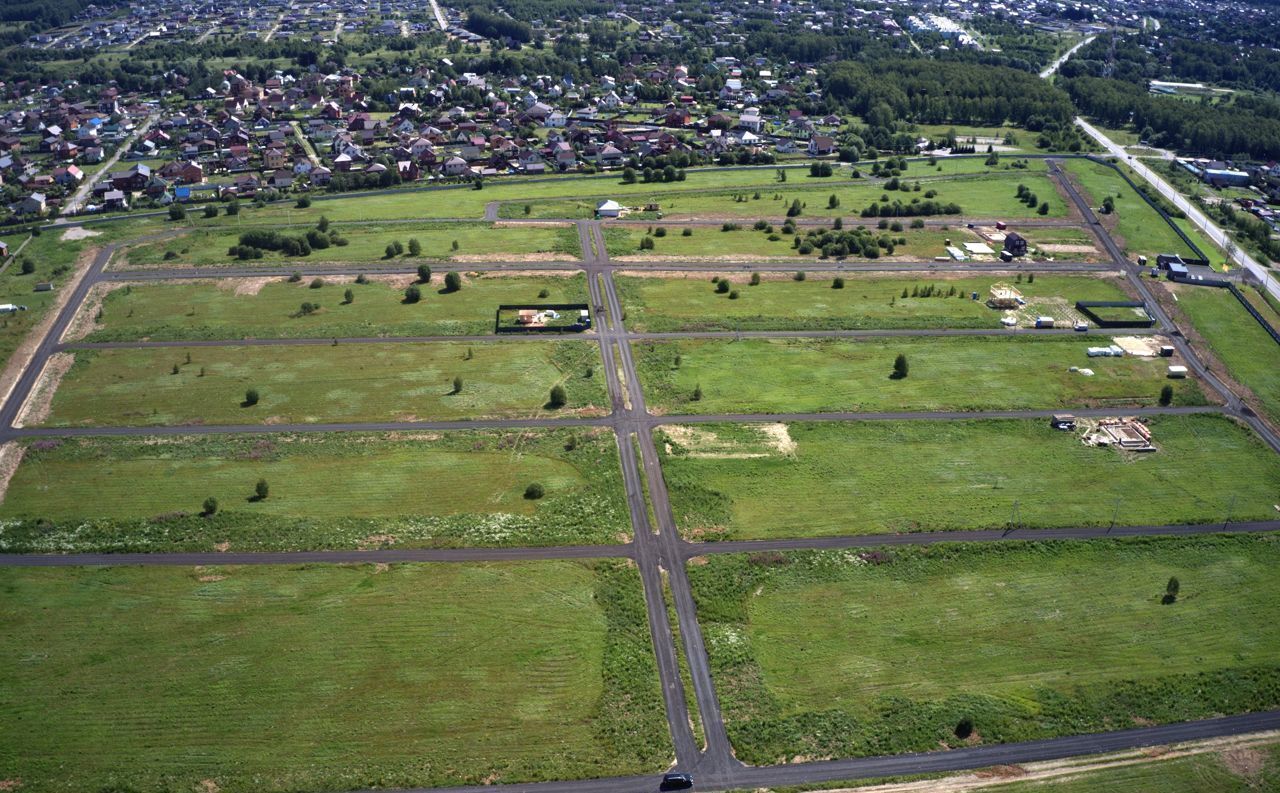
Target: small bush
{"x":412,"y":294}
{"x":424,"y":274}
{"x":210,"y":507}
{"x":261,"y":490}
{"x":799,"y":276}
{"x":295,"y":277}
{"x":304,"y":202}
{"x":755,"y":280}
{"x":687,"y":232}
{"x":251,"y":397}
{"x":316,"y":283}
{"x":837,"y":283}
{"x":558,"y":397}
{"x":722,"y":287}
{"x":733,"y":295}
{"x":452,"y":282}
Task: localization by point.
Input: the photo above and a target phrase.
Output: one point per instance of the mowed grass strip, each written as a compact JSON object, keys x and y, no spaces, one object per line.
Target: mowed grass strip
{"x":1232,"y":769}
{"x":711,"y":242}
{"x":347,"y":382}
{"x":236,"y":308}
{"x":945,"y":373}
{"x":1250,"y":354}
{"x":325,"y":678}
{"x":844,"y":478}
{"x":853,"y":653}
{"x":366,"y":242}
{"x":779,"y":302}
{"x":458,"y":488}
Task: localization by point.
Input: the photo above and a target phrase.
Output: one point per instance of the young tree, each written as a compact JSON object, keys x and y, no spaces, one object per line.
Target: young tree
{"x":534,"y":492}
{"x":415,"y":247}
{"x":399,"y":247}
{"x":177,"y":212}
{"x":799,"y":276}
{"x":389,"y":251}
{"x":1166,"y":395}
{"x":412,"y":295}
{"x":233,"y":208}
{"x":1044,"y":208}
{"x":558,"y":397}
{"x":210,"y":211}
{"x":452,"y":282}
{"x":833,"y":201}
{"x":628,"y":175}
{"x":210,"y":506}
{"x":722,"y":287}
{"x":304,"y":202}
{"x":251,"y":397}
{"x":1171,"y":590}
{"x":697,"y":393}
{"x":837,"y":283}
{"x":457,"y":385}
{"x":323,"y":224}
{"x":349,"y":296}
{"x":261,"y":490}
{"x":755,"y":280}
{"x":964,"y":728}
{"x":795,"y":208}
{"x":424,"y":274}
{"x":900,"y":367}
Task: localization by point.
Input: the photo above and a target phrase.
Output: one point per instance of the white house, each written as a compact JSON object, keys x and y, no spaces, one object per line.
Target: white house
{"x":608,"y":209}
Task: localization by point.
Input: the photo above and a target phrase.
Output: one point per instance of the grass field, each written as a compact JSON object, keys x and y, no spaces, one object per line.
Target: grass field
{"x":353,"y":382}
{"x":247,"y":308}
{"x":367,"y":242}
{"x":325,"y":678}
{"x":1251,"y":356}
{"x":1235,"y":770}
{"x":748,"y":481}
{"x":843,"y":653}
{"x":337,"y":490}
{"x":979,"y":195}
{"x":955,"y":373}
{"x":782,"y":303}
{"x":1138,"y":228}
{"x":715,"y":243}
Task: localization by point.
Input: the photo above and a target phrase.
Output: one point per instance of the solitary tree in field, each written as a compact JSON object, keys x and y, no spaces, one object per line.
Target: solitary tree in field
{"x":261,"y":490}
{"x":1171,"y":591}
{"x":722,"y":287}
{"x":837,"y":283}
{"x":424,"y":273}
{"x":452,"y":282}
{"x":900,"y":367}
{"x":1166,"y":395}
{"x":558,"y":397}
{"x":457,"y":385}
{"x":755,"y":280}
{"x":833,"y":201}
{"x":697,"y":393}
{"x":251,"y":397}
{"x":534,"y":491}
{"x":964,"y":728}
{"x":415,"y":247}
{"x":412,"y":294}
{"x":210,"y":506}
{"x":349,"y":296}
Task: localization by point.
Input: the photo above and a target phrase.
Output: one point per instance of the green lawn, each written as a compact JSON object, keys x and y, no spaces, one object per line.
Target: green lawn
{"x":1138,"y":228}
{"x":367,"y":242}
{"x":746,"y":481}
{"x":692,"y":303}
{"x":979,"y":195}
{"x":1227,"y":771}
{"x":1251,"y":356}
{"x":707,"y":242}
{"x":843,"y":653}
{"x":244,"y":308}
{"x":350,"y":382}
{"x":946,"y":373}
{"x":325,"y":678}
{"x":326,"y":491}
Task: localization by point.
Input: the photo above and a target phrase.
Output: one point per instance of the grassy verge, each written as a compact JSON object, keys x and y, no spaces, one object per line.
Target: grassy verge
{"x":366,"y":242}
{"x":333,"y":491}
{"x":842,"y":653}
{"x":351,"y":382}
{"x":705,"y":242}
{"x":1138,"y":228}
{"x":865,"y":302}
{"x":242,"y":308}
{"x":686,"y":679}
{"x":760,"y":481}
{"x":945,"y":373}
{"x":1249,"y":353}
{"x":386,"y":677}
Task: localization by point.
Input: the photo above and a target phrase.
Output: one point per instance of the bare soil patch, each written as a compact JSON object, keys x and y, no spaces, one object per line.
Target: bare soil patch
{"x":36,"y":408}
{"x":11,"y":455}
{"x":1245,"y":762}
{"x":86,"y":319}
{"x":544,"y":256}
{"x":79,"y":233}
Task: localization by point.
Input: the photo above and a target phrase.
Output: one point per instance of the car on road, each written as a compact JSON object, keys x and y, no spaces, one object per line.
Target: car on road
{"x":676,"y":781}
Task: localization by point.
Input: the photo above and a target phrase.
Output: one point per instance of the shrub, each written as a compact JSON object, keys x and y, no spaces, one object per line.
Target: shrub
{"x":837,"y":283}
{"x":543,"y":293}
{"x":833,"y":201}
{"x":349,"y":296}
{"x":900,"y":367}
{"x":412,"y":294}
{"x":733,"y":295}
{"x":170,"y":255}
{"x":452,"y":282}
{"x":424,"y":274}
{"x":534,"y":492}
{"x":362,"y":279}
{"x":660,"y":232}
{"x":28,"y":266}
{"x":722,"y":287}
{"x":646,"y":243}
{"x":917,"y":223}
{"x":697,"y":393}
{"x":316,"y":283}
{"x":304,"y":202}
{"x":233,"y":208}
{"x":1044,"y":209}
{"x":251,"y":397}
{"x":799,"y":276}
{"x":457,"y":385}
{"x":177,"y":212}
{"x":755,"y":279}
{"x":795,"y":209}
{"x":1171,"y":590}
{"x":210,"y":507}
{"x":210,"y":211}
{"x":389,"y":252}
{"x":308,"y":308}
{"x":295,"y":277}
{"x":687,"y":232}
{"x":323,"y":224}
{"x":261,"y":490}
{"x":558,"y":397}
{"x":964,"y":728}
{"x":1166,"y":395}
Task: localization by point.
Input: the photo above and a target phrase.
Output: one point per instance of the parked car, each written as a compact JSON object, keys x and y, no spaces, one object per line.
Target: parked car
{"x":676,"y":781}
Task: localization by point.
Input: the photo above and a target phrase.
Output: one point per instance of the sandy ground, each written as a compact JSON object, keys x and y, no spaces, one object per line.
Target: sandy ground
{"x":1065,"y":248}
{"x":705,"y":444}
{"x":36,"y":409}
{"x":545,"y":256}
{"x":1240,"y":754}
{"x":11,"y":455}
{"x":22,"y":355}
{"x":85,"y":321}
{"x":546,"y":224}
{"x":78,"y":233}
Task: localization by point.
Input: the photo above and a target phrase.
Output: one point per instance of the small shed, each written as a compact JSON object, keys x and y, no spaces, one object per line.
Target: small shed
{"x":1178,"y":372}
{"x":608,"y":209}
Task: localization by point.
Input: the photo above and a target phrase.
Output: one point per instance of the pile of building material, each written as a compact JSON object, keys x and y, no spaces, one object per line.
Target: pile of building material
{"x":1127,"y":434}
{"x":1113,"y":351}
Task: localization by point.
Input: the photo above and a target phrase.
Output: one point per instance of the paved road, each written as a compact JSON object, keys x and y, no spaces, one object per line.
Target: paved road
{"x":77,"y":199}
{"x":373,"y":556}
{"x":1052,"y":68}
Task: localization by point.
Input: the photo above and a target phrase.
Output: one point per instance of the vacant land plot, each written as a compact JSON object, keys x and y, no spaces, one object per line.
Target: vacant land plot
{"x":844,"y":653}
{"x":328,"y":491}
{"x":756,"y":481}
{"x":367,"y":242}
{"x":351,"y":382}
{"x":269,"y":308}
{"x":978,"y":195}
{"x":1138,"y":228}
{"x":710,"y":242}
{"x":1236,"y":769}
{"x":326,"y":678}
{"x":957,"y":373}
{"x":1250,"y":354}
{"x":691,"y":302}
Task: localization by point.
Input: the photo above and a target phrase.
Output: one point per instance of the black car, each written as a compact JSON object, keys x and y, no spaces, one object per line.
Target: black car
{"x":676,"y":781}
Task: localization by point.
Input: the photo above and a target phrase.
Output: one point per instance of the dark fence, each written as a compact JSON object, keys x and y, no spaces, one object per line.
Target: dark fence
{"x":1200,"y":256}
{"x":576,"y":327}
{"x":1244,"y":301}
{"x":1086,"y":307}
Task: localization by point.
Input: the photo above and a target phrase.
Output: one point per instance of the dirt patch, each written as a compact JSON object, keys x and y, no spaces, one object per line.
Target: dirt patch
{"x":530,"y":273}
{"x":1066,"y":248}
{"x":1001,"y":772}
{"x":86,"y":319}
{"x":698,"y":561}
{"x":36,"y":409}
{"x":205,"y":576}
{"x":249,"y":286}
{"x":222,"y":547}
{"x":208,"y":786}
{"x":10,"y":784}
{"x":11,"y":455}
{"x":380,"y":567}
{"x":376,"y":541}
{"x":780,"y":437}
{"x":1140,"y":346}
{"x":1246,"y":762}
{"x":23,"y":354}
{"x":531,"y":224}
{"x":543,"y":256}
{"x":79,"y":233}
